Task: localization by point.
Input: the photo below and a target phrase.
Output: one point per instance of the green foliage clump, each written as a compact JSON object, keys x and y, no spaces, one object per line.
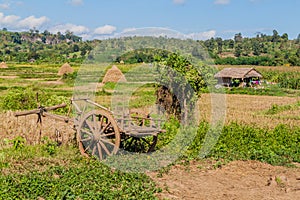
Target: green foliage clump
{"x":18,"y":143}
{"x":20,"y":99}
{"x":49,"y":146}
{"x":290,"y":80}
{"x":278,"y":146}
{"x":80,"y":179}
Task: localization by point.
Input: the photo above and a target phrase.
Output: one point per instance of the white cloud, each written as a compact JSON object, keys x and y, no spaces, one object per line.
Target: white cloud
{"x":221,"y":2}
{"x":15,"y":22}
{"x":32,"y":22}
{"x":76,"y":29}
{"x":76,"y":2}
{"x":179,"y":1}
{"x":202,"y":35}
{"x":4,"y":6}
{"x":105,"y":30}
{"x":9,"y":20}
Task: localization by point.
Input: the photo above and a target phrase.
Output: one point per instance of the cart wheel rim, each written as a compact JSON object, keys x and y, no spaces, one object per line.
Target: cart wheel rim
{"x":98,"y":134}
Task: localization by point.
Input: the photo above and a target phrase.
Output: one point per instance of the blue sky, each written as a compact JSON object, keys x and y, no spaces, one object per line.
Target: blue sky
{"x":200,"y":19}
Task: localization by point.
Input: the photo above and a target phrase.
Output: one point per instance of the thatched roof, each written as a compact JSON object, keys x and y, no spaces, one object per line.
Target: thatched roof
{"x":65,"y":69}
{"x":114,"y":75}
{"x":238,"y":73}
{"x":3,"y":65}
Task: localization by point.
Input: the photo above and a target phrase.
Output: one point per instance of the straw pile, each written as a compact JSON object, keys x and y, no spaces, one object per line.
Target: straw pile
{"x":65,"y":69}
{"x":114,"y":75}
{"x":3,"y":65}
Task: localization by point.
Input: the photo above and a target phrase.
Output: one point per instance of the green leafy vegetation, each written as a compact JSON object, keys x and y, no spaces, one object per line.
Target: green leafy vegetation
{"x":66,"y":176}
{"x":20,"y":99}
{"x":278,"y":146}
{"x":33,"y":45}
{"x":263,"y":50}
{"x":290,"y":80}
{"x":275,"y":109}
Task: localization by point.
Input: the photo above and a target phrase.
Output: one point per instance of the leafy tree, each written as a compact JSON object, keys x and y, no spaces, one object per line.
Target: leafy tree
{"x":75,"y":48}
{"x":16,"y":38}
{"x":275,"y":37}
{"x":285,"y":37}
{"x":238,"y":50}
{"x":298,"y":39}
{"x":256,"y":48}
{"x":231,"y":44}
{"x":210,"y":44}
{"x":220,"y":44}
{"x":169,"y":68}
{"x":238,"y":38}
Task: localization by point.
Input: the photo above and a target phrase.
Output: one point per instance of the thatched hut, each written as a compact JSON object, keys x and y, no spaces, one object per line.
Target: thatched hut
{"x":238,"y":76}
{"x":65,"y":69}
{"x":114,"y":75}
{"x":3,"y":65}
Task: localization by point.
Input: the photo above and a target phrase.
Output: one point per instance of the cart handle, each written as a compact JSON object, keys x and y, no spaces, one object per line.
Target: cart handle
{"x":40,"y":110}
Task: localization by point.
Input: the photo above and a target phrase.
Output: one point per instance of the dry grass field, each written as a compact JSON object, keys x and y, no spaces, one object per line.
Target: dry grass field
{"x":250,"y":109}
{"x":27,"y":127}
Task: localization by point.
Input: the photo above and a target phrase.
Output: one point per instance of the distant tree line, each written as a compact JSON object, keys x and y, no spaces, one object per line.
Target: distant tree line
{"x":265,"y":50}
{"x":43,"y":47}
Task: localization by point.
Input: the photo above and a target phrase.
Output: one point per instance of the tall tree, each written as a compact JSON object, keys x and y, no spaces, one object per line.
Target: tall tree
{"x":238,"y":50}
{"x":220,"y":44}
{"x":275,"y":36}
{"x":298,"y":39}
{"x":285,"y":37}
{"x":238,"y":37}
{"x":256,"y":48}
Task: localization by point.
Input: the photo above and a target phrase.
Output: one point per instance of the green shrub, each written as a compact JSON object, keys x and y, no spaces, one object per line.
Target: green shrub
{"x":20,"y":99}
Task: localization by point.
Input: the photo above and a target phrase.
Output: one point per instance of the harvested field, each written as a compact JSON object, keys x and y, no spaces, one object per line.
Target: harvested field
{"x":250,"y":109}
{"x":11,"y":127}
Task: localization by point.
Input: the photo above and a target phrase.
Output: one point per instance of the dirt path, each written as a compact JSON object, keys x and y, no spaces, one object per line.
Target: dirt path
{"x":236,"y":180}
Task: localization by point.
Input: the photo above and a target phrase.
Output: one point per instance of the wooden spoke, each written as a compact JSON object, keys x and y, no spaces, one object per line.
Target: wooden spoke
{"x":100,"y":151}
{"x":98,"y":134}
{"x":105,"y":148}
{"x":105,"y":127}
{"x":86,"y":139}
{"x":94,"y":150}
{"x":108,"y":142}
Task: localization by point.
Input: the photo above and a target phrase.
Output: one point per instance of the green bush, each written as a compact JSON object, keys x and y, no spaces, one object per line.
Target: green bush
{"x":278,"y":146}
{"x":20,"y":99}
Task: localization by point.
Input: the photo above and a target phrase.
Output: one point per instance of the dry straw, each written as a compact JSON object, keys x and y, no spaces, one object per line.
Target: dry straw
{"x":3,"y":65}
{"x":114,"y":75}
{"x":65,"y":69}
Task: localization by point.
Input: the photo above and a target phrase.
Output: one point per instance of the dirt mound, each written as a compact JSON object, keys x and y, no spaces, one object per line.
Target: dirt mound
{"x":114,"y":75}
{"x":3,"y":65}
{"x":236,"y":180}
{"x":65,"y":69}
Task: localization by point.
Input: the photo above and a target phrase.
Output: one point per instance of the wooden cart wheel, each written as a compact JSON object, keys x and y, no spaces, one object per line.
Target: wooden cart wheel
{"x":145,"y":144}
{"x":98,"y":134}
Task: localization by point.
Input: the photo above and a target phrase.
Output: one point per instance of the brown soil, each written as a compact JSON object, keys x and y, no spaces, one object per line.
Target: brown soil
{"x":236,"y":180}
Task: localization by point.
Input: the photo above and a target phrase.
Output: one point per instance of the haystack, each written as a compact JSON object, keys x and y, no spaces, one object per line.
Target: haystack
{"x":65,"y":69}
{"x":3,"y":65}
{"x":114,"y":75}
